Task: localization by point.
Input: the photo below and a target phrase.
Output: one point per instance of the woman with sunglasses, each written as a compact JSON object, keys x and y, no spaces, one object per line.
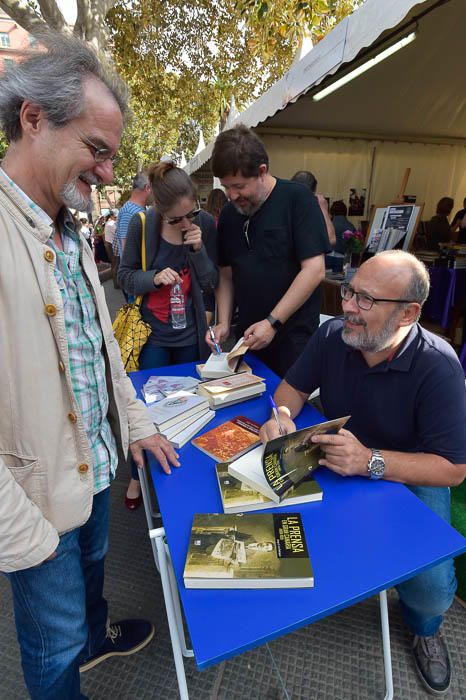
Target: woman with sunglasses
{"x":180,"y":248}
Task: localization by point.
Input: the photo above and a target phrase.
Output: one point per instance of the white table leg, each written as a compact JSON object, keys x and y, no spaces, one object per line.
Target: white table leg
{"x":143,"y":480}
{"x":170,"y":591}
{"x":387,"y":656}
{"x":157,"y":539}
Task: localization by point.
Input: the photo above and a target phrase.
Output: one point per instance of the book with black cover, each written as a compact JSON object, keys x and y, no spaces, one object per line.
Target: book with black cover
{"x":252,"y":550}
{"x":282,"y":463}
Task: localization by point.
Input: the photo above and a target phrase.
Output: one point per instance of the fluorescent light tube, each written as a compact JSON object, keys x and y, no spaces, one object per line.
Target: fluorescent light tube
{"x":364,"y":67}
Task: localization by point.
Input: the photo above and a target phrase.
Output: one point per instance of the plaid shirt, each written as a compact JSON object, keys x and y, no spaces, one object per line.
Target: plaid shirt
{"x":84,"y":335}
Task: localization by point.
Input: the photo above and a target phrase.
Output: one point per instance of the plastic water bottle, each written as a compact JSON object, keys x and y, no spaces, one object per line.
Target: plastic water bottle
{"x":177,"y":306}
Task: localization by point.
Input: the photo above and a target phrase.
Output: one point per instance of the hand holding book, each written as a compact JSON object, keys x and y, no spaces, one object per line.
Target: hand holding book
{"x":343,"y":453}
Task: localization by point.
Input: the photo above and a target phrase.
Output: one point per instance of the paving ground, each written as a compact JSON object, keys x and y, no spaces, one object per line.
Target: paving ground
{"x":339,"y":658}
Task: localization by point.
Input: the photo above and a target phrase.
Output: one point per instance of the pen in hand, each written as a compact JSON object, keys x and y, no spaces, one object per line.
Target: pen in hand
{"x":214,"y":340}
{"x":276,"y":416}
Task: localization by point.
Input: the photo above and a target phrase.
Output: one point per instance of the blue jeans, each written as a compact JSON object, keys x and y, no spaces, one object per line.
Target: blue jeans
{"x":152,"y":356}
{"x":425,"y":598}
{"x":60,"y":611}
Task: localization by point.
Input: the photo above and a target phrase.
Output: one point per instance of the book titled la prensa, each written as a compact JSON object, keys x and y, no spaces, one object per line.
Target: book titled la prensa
{"x":250,"y":550}
{"x":238,"y":497}
{"x":281,"y":464}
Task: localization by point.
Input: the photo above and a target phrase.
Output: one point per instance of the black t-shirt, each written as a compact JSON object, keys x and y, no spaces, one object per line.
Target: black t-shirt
{"x":457,"y":220}
{"x":288,"y":228}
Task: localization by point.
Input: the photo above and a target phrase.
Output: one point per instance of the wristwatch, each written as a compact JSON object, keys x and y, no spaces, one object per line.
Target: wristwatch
{"x":376,"y":465}
{"x":274,"y":322}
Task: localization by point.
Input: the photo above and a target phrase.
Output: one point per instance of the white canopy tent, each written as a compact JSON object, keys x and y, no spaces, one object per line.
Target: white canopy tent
{"x":407,"y":111}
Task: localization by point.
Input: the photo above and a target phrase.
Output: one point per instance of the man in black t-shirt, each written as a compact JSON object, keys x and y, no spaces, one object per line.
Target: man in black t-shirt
{"x":272,"y":240}
{"x":459,"y":222}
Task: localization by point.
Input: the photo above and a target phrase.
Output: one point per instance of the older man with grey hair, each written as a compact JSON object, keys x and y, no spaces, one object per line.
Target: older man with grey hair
{"x":141,"y":196}
{"x":404,"y":390}
{"x":67,"y":410}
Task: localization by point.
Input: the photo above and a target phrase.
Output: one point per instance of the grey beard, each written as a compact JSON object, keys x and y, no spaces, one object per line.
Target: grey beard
{"x":251,"y":209}
{"x":368,"y":342}
{"x":73,"y":199}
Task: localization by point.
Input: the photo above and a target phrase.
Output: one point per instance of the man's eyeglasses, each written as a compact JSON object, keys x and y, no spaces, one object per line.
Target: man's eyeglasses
{"x":100,"y":153}
{"x":178,"y":219}
{"x":365,"y":301}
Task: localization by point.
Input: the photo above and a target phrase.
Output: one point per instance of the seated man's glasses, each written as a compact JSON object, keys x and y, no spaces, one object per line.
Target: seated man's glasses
{"x":365,"y":301}
{"x":178,"y":219}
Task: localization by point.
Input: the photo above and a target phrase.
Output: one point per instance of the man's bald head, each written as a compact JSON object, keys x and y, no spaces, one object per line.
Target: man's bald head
{"x":402,"y":273}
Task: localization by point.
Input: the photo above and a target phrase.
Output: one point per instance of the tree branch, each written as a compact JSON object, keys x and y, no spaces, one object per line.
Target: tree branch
{"x":52,"y":14}
{"x":90,"y":22}
{"x":23,"y":14}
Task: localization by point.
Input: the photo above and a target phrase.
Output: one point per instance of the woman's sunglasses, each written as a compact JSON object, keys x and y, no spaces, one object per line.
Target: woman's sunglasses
{"x":178,"y":219}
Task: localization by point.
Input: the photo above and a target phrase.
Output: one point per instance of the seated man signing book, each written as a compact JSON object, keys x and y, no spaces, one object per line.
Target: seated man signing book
{"x":404,"y":389}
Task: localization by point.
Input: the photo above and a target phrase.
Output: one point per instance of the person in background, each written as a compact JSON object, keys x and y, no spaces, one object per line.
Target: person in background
{"x":141,"y":197}
{"x":438,"y":228}
{"x":109,"y":231}
{"x":305,"y":177}
{"x":62,"y":113}
{"x":272,"y":240}
{"x":458,"y":225}
{"x":85,"y":230}
{"x":109,"y":237}
{"x":100,"y":251}
{"x":334,"y":260}
{"x":181,"y":247}
{"x":215,"y":203}
{"x":338,"y":212}
{"x":403,"y":388}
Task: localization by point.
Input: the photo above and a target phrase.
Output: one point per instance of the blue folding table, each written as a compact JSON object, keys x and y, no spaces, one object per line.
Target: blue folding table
{"x":364,"y":537}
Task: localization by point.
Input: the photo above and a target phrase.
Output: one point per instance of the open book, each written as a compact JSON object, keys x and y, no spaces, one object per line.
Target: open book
{"x":225,"y":363}
{"x":281,"y":464}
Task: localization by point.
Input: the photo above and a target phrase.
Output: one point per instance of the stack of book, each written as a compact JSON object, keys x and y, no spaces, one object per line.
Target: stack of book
{"x":429,"y":257}
{"x":459,"y":262}
{"x":232,"y":389}
{"x":180,"y":416}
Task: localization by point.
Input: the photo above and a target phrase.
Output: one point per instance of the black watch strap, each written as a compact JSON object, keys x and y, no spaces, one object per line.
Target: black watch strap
{"x":274,"y":322}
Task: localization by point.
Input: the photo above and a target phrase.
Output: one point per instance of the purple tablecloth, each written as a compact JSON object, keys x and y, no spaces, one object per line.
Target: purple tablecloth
{"x":447,"y":287}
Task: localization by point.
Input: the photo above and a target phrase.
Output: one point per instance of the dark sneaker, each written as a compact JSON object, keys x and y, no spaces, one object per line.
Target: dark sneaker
{"x":432,"y":663}
{"x":123,"y":638}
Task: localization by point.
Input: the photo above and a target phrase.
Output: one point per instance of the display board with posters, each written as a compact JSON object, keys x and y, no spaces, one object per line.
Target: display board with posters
{"x":393,"y":226}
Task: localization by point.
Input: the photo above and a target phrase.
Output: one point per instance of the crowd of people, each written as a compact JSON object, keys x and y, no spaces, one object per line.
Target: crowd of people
{"x":262,"y":252}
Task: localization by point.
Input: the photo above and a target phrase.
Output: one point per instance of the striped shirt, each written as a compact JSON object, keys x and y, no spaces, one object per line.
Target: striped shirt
{"x":84,"y":336}
{"x":125,"y":215}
